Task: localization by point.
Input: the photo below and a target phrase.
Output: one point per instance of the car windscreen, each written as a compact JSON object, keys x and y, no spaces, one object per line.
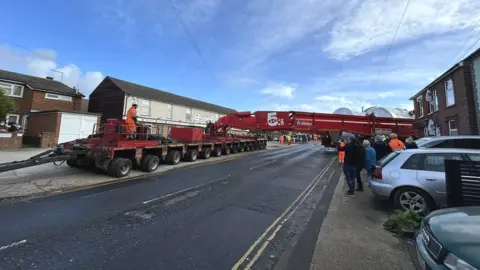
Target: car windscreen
{"x":385,"y":160}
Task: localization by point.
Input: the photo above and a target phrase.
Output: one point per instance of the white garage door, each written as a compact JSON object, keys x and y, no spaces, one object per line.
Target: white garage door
{"x":75,"y":126}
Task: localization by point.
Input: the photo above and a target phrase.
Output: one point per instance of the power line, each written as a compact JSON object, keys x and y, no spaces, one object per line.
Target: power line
{"x":190,"y":36}
{"x":389,"y":49}
{"x":464,"y":44}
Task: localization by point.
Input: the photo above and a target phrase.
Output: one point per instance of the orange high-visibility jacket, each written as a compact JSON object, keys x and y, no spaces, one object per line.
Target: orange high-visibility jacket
{"x":131,"y":113}
{"x":396,"y":144}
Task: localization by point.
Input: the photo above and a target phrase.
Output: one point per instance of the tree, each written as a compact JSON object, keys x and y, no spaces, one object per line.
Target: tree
{"x":6,"y":105}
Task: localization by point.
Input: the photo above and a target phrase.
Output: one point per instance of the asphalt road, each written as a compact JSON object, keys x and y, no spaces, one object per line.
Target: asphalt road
{"x":262,"y":211}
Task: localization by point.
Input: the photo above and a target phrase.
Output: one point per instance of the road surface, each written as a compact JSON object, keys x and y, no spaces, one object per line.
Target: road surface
{"x":260,"y":211}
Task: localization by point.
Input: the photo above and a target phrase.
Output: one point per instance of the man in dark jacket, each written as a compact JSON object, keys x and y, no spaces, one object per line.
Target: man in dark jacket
{"x":352,"y":155}
{"x":381,"y":148}
{"x":360,"y":166}
{"x":410,"y":144}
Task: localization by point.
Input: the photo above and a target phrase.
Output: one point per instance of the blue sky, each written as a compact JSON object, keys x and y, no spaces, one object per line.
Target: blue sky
{"x":258,"y":55}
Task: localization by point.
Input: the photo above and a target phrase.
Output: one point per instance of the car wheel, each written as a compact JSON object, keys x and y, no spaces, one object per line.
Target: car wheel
{"x":415,"y":199}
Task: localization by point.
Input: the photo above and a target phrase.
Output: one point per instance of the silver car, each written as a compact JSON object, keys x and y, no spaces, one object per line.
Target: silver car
{"x":415,"y":178}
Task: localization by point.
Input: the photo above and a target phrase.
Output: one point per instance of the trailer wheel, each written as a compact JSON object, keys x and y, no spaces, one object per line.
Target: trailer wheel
{"x":235,"y":149}
{"x":247,"y":147}
{"x":119,"y":167}
{"x":150,"y":163}
{"x":241,"y":148}
{"x":253,"y":146}
{"x":206,"y":153}
{"x":226,"y":151}
{"x":217,"y":151}
{"x":192,"y":155}
{"x":173,"y":157}
{"x":72,"y":163}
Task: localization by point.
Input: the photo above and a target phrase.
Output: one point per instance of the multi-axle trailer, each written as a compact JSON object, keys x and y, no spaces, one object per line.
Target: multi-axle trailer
{"x":109,"y":149}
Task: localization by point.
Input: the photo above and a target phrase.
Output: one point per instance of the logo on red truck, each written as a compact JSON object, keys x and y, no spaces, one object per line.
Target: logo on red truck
{"x":273,"y":120}
{"x":304,"y":123}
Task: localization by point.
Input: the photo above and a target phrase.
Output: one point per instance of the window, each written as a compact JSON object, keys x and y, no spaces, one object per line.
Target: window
{"x":436,"y":162}
{"x":433,"y":103}
{"x":144,"y":107}
{"x":169,"y":130}
{"x":13,"y":118}
{"x":387,"y":159}
{"x":449,"y":93}
{"x":412,"y":162}
{"x":58,"y":97}
{"x":169,"y":112}
{"x":474,"y":157}
{"x":188,"y":114}
{"x":452,"y":128}
{"x":442,"y":144}
{"x":420,"y":106}
{"x":467,"y":143}
{"x":159,"y":130}
{"x":197,"y":118}
{"x":12,"y":90}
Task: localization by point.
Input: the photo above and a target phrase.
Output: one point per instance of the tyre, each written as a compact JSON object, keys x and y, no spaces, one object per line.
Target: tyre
{"x":253,"y":147}
{"x":150,"y":163}
{"x":234,"y":149}
{"x":192,"y":155}
{"x":217,"y":151}
{"x":72,"y":163}
{"x":173,"y":157}
{"x":206,"y":153}
{"x":119,"y":167}
{"x":247,"y":147}
{"x":413,"y":198}
{"x":241,"y":148}
{"x":226,"y":151}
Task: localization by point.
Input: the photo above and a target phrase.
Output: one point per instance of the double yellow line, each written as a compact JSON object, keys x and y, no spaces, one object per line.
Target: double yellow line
{"x":295,"y":204}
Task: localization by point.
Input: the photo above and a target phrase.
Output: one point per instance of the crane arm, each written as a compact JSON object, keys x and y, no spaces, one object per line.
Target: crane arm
{"x":313,"y":123}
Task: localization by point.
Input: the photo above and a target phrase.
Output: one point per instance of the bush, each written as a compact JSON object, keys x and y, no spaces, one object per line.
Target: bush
{"x":6,"y":105}
{"x":404,"y":223}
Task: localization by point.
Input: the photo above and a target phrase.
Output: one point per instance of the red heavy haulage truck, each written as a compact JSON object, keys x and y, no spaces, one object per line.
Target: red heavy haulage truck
{"x":110,"y":150}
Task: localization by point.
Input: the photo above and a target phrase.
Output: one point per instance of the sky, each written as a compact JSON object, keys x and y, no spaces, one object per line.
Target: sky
{"x":248,"y":55}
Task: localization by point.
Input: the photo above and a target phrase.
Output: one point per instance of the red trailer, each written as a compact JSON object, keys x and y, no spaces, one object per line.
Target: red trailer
{"x":110,"y":150}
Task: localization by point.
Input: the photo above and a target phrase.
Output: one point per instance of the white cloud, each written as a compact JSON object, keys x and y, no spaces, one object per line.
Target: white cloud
{"x":283,"y":90}
{"x":43,"y":64}
{"x":373,"y":24}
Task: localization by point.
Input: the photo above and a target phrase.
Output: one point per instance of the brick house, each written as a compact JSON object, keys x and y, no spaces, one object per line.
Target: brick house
{"x":49,"y":111}
{"x":447,"y":105}
{"x":31,"y":94}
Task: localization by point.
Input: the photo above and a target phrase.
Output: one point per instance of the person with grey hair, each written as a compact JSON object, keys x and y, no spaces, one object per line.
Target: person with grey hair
{"x":410,"y":144}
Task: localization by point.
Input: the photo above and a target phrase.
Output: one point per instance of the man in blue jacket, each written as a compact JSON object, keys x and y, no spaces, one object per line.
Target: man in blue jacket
{"x":370,"y":158}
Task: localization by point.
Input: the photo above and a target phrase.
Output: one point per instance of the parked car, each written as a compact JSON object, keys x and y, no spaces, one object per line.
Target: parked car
{"x":468,"y":142}
{"x":450,"y":239}
{"x":415,"y":178}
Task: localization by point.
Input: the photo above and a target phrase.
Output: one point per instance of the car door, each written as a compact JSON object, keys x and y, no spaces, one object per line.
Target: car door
{"x":431,"y":172}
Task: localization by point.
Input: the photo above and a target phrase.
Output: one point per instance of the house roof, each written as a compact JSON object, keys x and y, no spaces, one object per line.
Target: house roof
{"x":37,"y":83}
{"x":449,"y":71}
{"x":155,"y":94}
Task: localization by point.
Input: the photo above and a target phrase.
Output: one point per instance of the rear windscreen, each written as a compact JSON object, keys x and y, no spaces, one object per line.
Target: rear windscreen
{"x":384,"y":161}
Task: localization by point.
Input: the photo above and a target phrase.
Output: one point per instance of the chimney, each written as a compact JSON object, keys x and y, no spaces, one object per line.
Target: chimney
{"x":50,"y":78}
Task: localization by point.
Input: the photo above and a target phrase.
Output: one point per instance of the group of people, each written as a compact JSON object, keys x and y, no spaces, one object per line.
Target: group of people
{"x":356,"y":156}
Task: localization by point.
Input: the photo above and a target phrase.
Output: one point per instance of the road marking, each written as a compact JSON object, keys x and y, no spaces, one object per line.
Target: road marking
{"x":264,"y":234}
{"x":13,"y":244}
{"x":95,"y":194}
{"x":187,"y":189}
{"x":254,"y":167}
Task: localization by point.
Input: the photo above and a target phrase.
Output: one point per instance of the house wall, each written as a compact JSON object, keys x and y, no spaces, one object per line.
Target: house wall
{"x":159,"y":113}
{"x":43,"y":129}
{"x":10,"y":140}
{"x":460,"y":111}
{"x":107,"y":99}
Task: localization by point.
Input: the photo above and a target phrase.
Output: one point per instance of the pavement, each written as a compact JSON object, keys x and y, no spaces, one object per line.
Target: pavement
{"x":352,"y":235}
{"x":49,"y":178}
{"x":260,"y":211}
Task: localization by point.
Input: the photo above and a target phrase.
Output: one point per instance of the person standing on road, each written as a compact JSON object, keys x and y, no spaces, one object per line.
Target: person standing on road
{"x":131,"y":121}
{"x":341,"y":151}
{"x":410,"y":144}
{"x":381,"y":149}
{"x":352,"y":154}
{"x":360,"y":165}
{"x":370,"y":159}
